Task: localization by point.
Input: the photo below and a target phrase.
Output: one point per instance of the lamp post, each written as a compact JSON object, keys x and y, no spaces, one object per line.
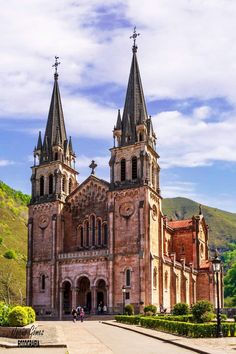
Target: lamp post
{"x":216,"y":264}
{"x":123,"y":293}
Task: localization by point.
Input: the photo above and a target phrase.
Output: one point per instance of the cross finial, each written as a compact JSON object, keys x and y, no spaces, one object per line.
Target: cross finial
{"x":134,"y":36}
{"x":56,"y":65}
{"x":93,"y":165}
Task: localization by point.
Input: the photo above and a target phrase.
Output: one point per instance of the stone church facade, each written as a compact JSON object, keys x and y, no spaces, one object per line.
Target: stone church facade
{"x":88,"y":241}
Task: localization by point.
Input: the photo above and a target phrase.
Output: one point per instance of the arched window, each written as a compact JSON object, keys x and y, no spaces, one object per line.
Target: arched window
{"x":134,"y":168}
{"x":155,"y":277}
{"x":87,"y":232}
{"x":182,"y":248}
{"x":41,"y":182}
{"x":93,"y":229}
{"x":70,"y":186}
{"x":81,"y":236}
{"x":166,"y":280}
{"x":99,"y":232}
{"x":63,"y":183}
{"x":123,"y":170}
{"x":56,"y":156}
{"x":105,"y":236}
{"x":43,"y":282}
{"x":153,"y":175}
{"x":128,"y":277}
{"x":140,"y":137}
{"x":50,"y":184}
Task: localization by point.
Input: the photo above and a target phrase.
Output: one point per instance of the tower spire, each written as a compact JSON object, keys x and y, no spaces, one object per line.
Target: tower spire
{"x":135,"y":110}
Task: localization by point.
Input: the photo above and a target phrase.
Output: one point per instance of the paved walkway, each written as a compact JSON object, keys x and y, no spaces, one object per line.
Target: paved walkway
{"x":205,"y":345}
{"x":93,"y":337}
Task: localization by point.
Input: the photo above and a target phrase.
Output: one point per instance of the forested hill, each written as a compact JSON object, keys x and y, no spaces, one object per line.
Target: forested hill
{"x":222,"y":224}
{"x":13,"y":243}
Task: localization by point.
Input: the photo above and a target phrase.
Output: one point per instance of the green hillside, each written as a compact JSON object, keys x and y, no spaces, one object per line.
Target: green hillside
{"x":13,"y":244}
{"x":222,"y":224}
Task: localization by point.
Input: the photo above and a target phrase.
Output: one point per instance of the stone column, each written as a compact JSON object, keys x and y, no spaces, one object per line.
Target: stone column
{"x":60,"y":303}
{"x":93,"y":299}
{"x":74,"y":305}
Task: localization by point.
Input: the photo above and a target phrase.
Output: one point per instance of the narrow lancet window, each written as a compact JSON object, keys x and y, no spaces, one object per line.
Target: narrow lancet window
{"x":99,"y":232}
{"x":134,"y":168}
{"x":50,"y":184}
{"x":128,"y":277}
{"x":41,"y":186}
{"x":123,"y":170}
{"x":93,"y":230}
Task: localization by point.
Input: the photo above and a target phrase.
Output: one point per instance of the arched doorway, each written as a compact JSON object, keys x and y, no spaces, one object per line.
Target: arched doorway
{"x":84,"y":293}
{"x":101,"y":293}
{"x":67,"y":298}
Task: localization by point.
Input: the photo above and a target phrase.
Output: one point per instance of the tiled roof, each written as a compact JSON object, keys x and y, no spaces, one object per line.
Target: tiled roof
{"x":178,"y":224}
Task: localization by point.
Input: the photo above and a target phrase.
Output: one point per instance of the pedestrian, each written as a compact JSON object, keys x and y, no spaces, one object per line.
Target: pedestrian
{"x":99,"y":309}
{"x":78,"y":309}
{"x":81,"y":314}
{"x":74,"y":314}
{"x":105,"y":309}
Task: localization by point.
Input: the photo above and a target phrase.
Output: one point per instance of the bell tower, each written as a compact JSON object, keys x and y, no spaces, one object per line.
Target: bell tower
{"x":53,"y":179}
{"x":134,"y":201}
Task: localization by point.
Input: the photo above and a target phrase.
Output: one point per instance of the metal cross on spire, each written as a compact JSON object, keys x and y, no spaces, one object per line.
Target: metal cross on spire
{"x":93,"y":165}
{"x":134,"y":36}
{"x":56,"y":65}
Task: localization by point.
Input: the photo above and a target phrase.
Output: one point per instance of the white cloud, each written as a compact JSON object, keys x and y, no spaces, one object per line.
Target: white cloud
{"x":4,"y":163}
{"x":186,"y":141}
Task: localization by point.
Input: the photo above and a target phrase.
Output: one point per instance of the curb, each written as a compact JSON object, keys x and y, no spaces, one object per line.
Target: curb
{"x":14,"y":345}
{"x":197,"y":350}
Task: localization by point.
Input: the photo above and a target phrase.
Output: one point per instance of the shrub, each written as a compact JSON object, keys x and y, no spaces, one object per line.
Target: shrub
{"x":129,"y":309}
{"x":4,"y":312}
{"x":196,"y":330}
{"x":207,"y":317}
{"x":31,"y":314}
{"x":128,"y":319}
{"x":223,"y":317}
{"x":18,"y":317}
{"x":180,"y":309}
{"x":200,"y":308}
{"x":10,"y":254}
{"x":150,"y":310}
{"x":183,"y":318}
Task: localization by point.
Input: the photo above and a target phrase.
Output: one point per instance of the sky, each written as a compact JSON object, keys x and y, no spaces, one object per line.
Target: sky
{"x":187,"y":60}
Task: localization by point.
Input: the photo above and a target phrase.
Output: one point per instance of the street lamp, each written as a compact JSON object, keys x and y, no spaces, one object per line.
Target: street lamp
{"x":123,"y":293}
{"x":216,"y":264}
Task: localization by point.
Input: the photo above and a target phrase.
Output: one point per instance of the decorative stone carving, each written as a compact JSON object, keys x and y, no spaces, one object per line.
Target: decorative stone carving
{"x":127,"y":209}
{"x":43,"y":221}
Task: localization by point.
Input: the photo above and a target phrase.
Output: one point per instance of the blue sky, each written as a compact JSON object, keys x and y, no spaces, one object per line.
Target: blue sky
{"x":186,"y":54}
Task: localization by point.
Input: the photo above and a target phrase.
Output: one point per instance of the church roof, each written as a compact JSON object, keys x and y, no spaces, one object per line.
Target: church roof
{"x":55,"y":129}
{"x":179,"y":224}
{"x":135,"y":111}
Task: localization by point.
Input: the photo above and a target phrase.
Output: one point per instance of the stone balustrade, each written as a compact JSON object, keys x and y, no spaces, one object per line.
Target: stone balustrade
{"x":84,"y":254}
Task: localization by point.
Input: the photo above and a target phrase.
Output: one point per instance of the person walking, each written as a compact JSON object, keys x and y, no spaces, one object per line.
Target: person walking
{"x":74,"y":314}
{"x":81,"y":314}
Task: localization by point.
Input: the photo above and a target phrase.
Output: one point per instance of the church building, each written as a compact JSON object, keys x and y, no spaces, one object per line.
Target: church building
{"x":109,"y":242}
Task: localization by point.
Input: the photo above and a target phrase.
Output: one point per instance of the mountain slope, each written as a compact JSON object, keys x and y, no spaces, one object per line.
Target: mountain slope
{"x":222,"y":224}
{"x":13,"y":243}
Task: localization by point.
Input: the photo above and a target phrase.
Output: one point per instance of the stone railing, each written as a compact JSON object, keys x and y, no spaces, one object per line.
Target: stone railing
{"x":84,"y":254}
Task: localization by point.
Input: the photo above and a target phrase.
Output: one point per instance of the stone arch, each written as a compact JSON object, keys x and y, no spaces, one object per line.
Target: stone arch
{"x":66,"y":296}
{"x":83,"y":287}
{"x":101,"y":292}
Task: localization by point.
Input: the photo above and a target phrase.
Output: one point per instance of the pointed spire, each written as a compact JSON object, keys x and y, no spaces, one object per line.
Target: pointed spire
{"x":39,"y":144}
{"x":71,"y":146}
{"x":118,"y":122}
{"x":57,"y":138}
{"x":135,"y":105}
{"x":55,"y":129}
